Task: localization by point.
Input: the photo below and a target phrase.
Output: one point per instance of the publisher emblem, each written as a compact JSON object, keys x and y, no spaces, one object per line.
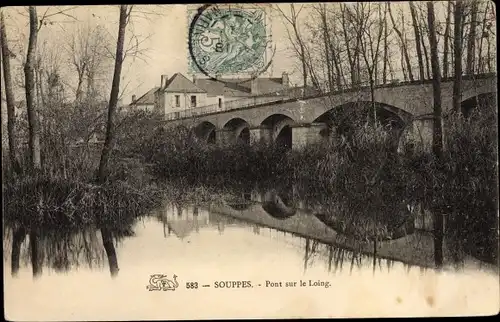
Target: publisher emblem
{"x":160,"y":282}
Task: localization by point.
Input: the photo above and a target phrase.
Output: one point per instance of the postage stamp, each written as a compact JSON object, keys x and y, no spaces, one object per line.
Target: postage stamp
{"x":228,"y":39}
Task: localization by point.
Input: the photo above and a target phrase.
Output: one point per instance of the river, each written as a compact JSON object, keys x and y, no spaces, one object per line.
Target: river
{"x":260,"y":255}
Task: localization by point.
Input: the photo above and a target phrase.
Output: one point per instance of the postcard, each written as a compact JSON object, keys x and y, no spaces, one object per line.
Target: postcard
{"x":253,"y":160}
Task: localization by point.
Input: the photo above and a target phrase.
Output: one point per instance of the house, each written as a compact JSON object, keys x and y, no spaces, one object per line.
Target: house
{"x":146,"y":102}
{"x":178,"y":93}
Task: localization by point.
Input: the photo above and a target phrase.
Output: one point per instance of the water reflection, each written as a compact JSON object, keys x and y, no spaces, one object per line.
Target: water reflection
{"x":63,"y":250}
{"x":317,"y":232}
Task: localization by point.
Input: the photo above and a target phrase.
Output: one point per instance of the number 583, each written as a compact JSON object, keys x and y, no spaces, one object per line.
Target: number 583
{"x":192,"y":285}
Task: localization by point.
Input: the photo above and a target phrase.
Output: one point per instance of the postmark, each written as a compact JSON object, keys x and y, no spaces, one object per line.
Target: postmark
{"x":228,"y":40}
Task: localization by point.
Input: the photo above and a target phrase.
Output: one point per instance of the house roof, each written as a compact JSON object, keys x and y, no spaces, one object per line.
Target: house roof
{"x":146,"y":99}
{"x":180,"y":83}
{"x":239,"y":87}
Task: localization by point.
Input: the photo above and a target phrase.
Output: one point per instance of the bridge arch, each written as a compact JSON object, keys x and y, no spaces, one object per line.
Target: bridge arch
{"x":277,"y":206}
{"x":342,"y":118}
{"x":240,"y":130}
{"x":467,"y":105}
{"x":206,"y":132}
{"x":280,"y":127}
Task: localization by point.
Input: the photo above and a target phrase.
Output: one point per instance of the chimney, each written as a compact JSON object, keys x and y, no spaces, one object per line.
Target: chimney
{"x":253,"y":87}
{"x":164,"y":79}
{"x":133,"y":98}
{"x":194,"y":79}
{"x":284,"y":79}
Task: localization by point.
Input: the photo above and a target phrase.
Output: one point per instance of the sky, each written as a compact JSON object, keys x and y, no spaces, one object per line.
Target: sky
{"x":166,"y":46}
{"x":163,"y":33}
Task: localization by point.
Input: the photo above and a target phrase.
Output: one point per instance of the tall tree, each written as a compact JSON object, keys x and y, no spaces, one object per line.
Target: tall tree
{"x":446,"y":40}
{"x":297,"y":40}
{"x":404,"y":49}
{"x":29,"y":74}
{"x":109,"y":247}
{"x":371,"y":31}
{"x":457,"y":53}
{"x":9,"y":96}
{"x":437,"y":138}
{"x":416,"y":30}
{"x":352,"y":50}
{"x":471,"y":41}
{"x":113,"y":99}
{"x":321,"y":9}
{"x":386,"y":48}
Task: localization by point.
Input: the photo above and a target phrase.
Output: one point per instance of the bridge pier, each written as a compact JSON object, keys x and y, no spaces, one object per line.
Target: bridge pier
{"x":418,"y":135}
{"x":224,"y":137}
{"x":304,"y":134}
{"x":260,"y":134}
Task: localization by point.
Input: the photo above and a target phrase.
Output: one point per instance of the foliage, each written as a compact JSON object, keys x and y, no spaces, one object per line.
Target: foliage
{"x":44,"y":201}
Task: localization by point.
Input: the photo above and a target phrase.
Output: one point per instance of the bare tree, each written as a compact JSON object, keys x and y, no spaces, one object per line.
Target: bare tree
{"x":87,"y":48}
{"x":328,"y":49}
{"x":437,"y":139}
{"x":457,"y":48}
{"x":9,"y":96}
{"x":471,"y":43}
{"x":446,"y":40}
{"x":29,"y":71}
{"x":353,"y":56}
{"x":416,"y":30}
{"x":115,"y":89}
{"x":424,"y":35}
{"x":296,"y":40}
{"x":404,"y":50}
{"x":371,"y":30}
{"x":484,"y":34}
{"x":386,"y":48}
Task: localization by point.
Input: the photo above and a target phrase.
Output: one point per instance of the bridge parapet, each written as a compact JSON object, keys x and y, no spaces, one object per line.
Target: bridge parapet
{"x":226,"y":106}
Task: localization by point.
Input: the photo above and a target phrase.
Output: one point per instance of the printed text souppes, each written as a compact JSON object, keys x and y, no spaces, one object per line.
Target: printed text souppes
{"x":232,"y":284}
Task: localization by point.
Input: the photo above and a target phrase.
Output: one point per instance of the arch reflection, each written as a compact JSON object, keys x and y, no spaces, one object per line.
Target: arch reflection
{"x":277,"y":205}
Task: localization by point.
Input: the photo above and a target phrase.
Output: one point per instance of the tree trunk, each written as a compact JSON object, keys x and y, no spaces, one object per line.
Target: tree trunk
{"x":457,"y":48}
{"x":33,"y":122}
{"x":471,"y":44}
{"x":437,"y":139}
{"x":348,"y":50}
{"x":446,"y":39}
{"x":113,"y":99}
{"x":417,"y":39}
{"x":109,"y":247}
{"x":17,"y":241}
{"x":79,"y":90}
{"x":9,"y":96}
{"x":403,"y":43}
{"x":386,"y":48}
{"x":327,"y":47}
{"x":483,"y":31}
{"x":36,"y":253}
{"x":426,"y":55}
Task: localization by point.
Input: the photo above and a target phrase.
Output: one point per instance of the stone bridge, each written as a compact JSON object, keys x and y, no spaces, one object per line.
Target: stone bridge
{"x":297,"y":122}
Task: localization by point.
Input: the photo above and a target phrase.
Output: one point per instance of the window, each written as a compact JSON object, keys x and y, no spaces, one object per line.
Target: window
{"x":177,"y":115}
{"x":193,"y":100}
{"x":177,"y":100}
{"x":220,"y":102}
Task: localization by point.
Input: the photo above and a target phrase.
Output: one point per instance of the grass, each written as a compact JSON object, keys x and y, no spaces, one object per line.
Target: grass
{"x":57,"y":202}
